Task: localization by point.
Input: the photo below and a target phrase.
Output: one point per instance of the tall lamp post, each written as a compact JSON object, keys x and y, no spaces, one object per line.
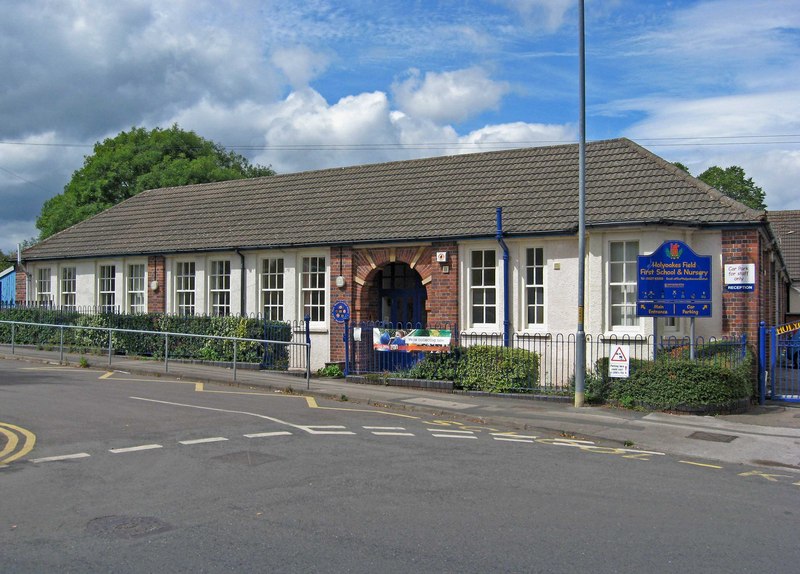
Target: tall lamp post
{"x":580,"y":337}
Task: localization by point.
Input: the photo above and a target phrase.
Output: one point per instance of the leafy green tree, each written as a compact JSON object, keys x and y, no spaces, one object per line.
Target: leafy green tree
{"x":135,"y":161}
{"x":733,"y":182}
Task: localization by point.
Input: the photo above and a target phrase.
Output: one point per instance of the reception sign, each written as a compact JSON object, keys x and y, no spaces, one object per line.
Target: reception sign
{"x":428,"y":340}
{"x":674,"y":281}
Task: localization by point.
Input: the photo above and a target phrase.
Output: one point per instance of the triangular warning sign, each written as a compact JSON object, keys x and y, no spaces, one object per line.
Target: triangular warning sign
{"x":619,"y":356}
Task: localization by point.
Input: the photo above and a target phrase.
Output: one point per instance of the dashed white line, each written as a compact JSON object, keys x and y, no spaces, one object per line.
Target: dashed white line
{"x":62,"y":457}
{"x":268,"y":434}
{"x":452,"y":431}
{"x":385,"y":428}
{"x":512,"y":439}
{"x":392,"y":433}
{"x":324,"y":429}
{"x":203,"y":440}
{"x":135,"y":448}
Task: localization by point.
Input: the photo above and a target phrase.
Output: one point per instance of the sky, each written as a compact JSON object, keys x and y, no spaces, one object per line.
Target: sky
{"x":324,"y":83}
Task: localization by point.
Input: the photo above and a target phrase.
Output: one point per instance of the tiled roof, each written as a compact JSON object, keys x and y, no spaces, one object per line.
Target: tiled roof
{"x":786,"y":225}
{"x":425,"y":199}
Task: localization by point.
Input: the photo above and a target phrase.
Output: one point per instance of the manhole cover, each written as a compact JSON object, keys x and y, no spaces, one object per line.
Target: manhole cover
{"x":713,"y":437}
{"x":126,"y":526}
{"x":247,"y":458}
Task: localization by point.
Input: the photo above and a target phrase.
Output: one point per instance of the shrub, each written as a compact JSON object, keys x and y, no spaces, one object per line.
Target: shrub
{"x":274,"y":356}
{"x":497,"y":369}
{"x":333,"y":371}
{"x":675,"y":383}
{"x":436,"y":367}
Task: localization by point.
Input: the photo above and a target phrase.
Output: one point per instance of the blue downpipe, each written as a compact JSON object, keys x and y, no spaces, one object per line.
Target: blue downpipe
{"x":506,"y":310}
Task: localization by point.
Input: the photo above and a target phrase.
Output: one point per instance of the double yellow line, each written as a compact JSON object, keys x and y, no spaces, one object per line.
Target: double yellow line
{"x":13,"y":450}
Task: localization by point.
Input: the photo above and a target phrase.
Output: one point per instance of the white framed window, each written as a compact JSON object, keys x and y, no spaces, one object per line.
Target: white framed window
{"x":69,"y":288}
{"x":312,"y":288}
{"x":272,"y":288}
{"x":483,"y":287}
{"x":185,"y":287}
{"x":106,"y":288}
{"x":622,"y":266}
{"x":534,"y":286}
{"x":136,"y":288}
{"x":44,"y":290}
{"x":219,"y":287}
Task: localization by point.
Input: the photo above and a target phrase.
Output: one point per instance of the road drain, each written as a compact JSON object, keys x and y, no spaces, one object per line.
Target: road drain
{"x":126,"y":526}
{"x":713,"y":437}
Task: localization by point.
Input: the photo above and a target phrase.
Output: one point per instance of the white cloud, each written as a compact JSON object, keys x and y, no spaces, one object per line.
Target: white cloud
{"x":547,"y":14}
{"x":300,"y":64}
{"x":448,"y":96}
{"x":732,"y":130}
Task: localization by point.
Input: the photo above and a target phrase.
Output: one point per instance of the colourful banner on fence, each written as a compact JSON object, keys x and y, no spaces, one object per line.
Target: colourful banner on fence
{"x":427,"y":340}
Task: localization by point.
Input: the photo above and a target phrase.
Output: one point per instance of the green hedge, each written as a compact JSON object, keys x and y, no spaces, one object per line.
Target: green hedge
{"x":674,"y":384}
{"x":481,"y":368}
{"x":138,"y":344}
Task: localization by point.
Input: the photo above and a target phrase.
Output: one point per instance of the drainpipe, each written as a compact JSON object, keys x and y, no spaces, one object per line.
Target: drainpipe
{"x":242,"y":286}
{"x":506,"y":310}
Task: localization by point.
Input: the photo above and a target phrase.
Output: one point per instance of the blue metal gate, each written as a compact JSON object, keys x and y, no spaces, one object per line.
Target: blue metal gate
{"x":784,"y":362}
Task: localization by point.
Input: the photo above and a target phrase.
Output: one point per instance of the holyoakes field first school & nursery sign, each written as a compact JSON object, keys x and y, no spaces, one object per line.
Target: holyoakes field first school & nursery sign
{"x":674,"y":281}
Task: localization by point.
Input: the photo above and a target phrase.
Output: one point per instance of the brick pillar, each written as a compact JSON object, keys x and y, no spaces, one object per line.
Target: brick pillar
{"x":743,"y":310}
{"x":156,"y":271}
{"x":20,"y":279}
{"x":443,"y":286}
{"x":341,"y":264}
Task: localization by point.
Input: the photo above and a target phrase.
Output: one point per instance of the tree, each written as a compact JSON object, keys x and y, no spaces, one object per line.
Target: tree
{"x":135,"y":161}
{"x":732,"y":182}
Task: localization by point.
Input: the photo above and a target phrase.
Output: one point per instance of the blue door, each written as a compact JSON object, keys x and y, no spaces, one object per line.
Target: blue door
{"x":402,"y":295}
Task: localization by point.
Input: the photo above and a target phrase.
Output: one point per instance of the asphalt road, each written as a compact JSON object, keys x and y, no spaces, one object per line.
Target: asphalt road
{"x":128,"y":474}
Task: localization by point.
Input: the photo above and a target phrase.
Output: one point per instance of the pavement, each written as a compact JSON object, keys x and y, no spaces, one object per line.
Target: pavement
{"x":767,"y":436}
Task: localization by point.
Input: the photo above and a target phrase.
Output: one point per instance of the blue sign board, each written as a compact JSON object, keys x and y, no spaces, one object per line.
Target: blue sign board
{"x":674,"y":281}
{"x":340,"y":312}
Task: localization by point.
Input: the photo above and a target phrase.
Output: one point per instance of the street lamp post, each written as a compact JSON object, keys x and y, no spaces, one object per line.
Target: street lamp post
{"x":580,"y":337}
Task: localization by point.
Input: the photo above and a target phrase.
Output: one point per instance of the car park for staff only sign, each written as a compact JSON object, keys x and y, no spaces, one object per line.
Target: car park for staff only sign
{"x":619,"y":363}
{"x":674,"y":281}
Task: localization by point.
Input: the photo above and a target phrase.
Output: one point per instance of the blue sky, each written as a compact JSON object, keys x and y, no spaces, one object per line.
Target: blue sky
{"x":319,"y":83}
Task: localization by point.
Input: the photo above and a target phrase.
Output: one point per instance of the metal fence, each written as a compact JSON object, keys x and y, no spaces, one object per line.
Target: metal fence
{"x":176,"y":345}
{"x":532,"y":362}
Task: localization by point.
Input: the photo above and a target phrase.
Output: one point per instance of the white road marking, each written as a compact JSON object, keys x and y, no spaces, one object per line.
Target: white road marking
{"x":323,"y":429}
{"x":203,"y":440}
{"x":512,"y":435}
{"x":312,"y":429}
{"x":268,"y":434}
{"x":135,"y":448}
{"x":384,"y":428}
{"x":392,"y":433}
{"x":455,"y":436}
{"x":62,"y":457}
{"x":452,"y":431}
{"x":512,"y":439}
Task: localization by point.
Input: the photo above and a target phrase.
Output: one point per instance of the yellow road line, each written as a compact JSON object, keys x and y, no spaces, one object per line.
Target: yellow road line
{"x":30,"y":441}
{"x":700,"y":464}
{"x":312,"y":404}
{"x":12,"y":442}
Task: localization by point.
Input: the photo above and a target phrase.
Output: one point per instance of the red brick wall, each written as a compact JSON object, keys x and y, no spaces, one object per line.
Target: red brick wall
{"x":156,"y":271}
{"x":360,"y":268}
{"x":22,"y":284}
{"x":741,"y":310}
{"x":341,"y":264}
